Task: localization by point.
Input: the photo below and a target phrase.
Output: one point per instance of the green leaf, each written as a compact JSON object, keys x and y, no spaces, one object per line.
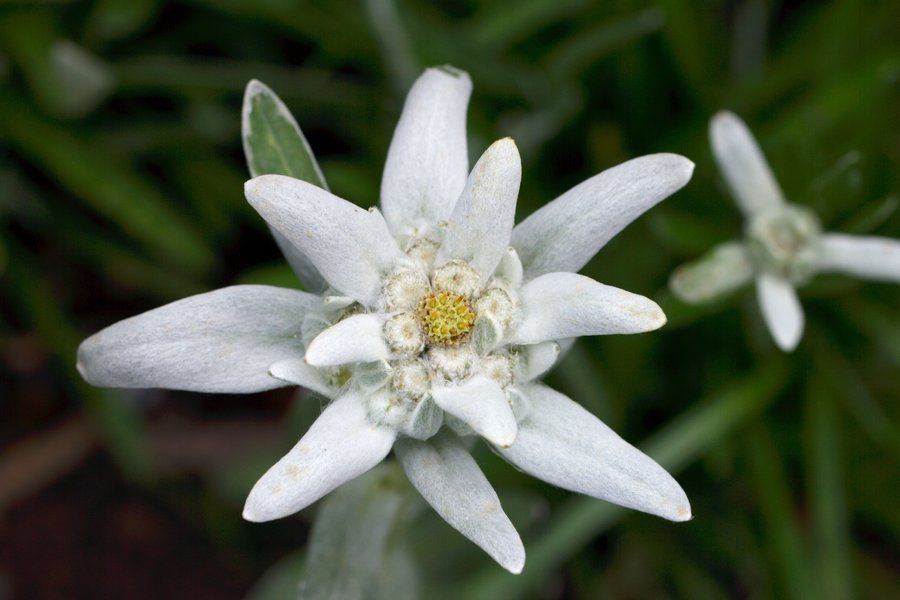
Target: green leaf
{"x":273,"y":142}
{"x":107,"y":184}
{"x":826,"y":494}
{"x":117,"y":19}
{"x":348,"y":548}
{"x":780,"y":524}
{"x":279,"y":581}
{"x":597,"y":41}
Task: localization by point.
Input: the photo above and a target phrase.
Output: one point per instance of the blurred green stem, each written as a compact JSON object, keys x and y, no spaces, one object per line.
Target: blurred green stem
{"x":675,"y":447}
{"x":846,"y":382}
{"x":826,"y":492}
{"x":780,"y":528}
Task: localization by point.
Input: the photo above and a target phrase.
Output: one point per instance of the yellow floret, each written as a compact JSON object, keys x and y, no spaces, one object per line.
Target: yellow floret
{"x":446,"y":318}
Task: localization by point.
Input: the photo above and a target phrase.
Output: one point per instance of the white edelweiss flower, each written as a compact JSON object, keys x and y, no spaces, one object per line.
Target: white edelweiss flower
{"x":435,"y":311}
{"x":784,"y":246}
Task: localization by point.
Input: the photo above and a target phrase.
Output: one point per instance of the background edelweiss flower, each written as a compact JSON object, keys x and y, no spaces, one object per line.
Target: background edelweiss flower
{"x":784,"y":246}
{"x":438,"y":313}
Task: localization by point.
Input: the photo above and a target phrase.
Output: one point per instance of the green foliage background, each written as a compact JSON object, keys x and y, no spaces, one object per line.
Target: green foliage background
{"x":121,"y":175}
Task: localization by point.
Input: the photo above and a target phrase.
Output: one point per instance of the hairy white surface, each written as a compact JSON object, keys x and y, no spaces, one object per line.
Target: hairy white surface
{"x":868,"y":257}
{"x":743,"y":164}
{"x":566,"y":233}
{"x":480,"y":403}
{"x":450,"y":481}
{"x":357,"y":338}
{"x":339,"y":446}
{"x":479,"y":229}
{"x":563,"y":444}
{"x":428,"y":159}
{"x":781,"y":310}
{"x":350,"y":246}
{"x":220,"y":341}
{"x":564,"y":305}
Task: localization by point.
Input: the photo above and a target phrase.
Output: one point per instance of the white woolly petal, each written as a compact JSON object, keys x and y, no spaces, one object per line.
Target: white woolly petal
{"x":478,"y":231}
{"x":564,"y":305}
{"x":742,"y":164}
{"x":722,"y":270}
{"x":451,"y":482}
{"x":480,"y":403}
{"x":781,"y":310}
{"x":350,"y":246}
{"x":428,"y":160}
{"x":358,"y":338}
{"x":563,"y":444}
{"x":340,"y":446}
{"x":536,"y":359}
{"x":299,"y":372}
{"x":221,"y":341}
{"x":564,"y":234}
{"x":868,"y":257}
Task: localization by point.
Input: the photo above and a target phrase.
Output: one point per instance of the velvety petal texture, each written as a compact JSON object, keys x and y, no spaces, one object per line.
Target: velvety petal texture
{"x":451,"y":482}
{"x":566,"y":233}
{"x":221,"y":341}
{"x":480,"y":403}
{"x":564,"y":305}
{"x":298,"y":372}
{"x":743,"y":165}
{"x":781,"y":310}
{"x":428,"y":159}
{"x":724,"y":269}
{"x":339,"y":446}
{"x":357,"y":338}
{"x":567,"y":446}
{"x":350,"y":246}
{"x":867,"y":257}
{"x":478,"y":231}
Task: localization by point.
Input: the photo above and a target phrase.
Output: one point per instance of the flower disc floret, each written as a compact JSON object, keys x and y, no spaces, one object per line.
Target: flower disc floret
{"x":403,"y":335}
{"x":784,"y":240}
{"x":446,"y":318}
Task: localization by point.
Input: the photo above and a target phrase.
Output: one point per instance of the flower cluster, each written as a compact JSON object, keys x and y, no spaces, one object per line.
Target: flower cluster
{"x":784,"y":245}
{"x":425,"y":321}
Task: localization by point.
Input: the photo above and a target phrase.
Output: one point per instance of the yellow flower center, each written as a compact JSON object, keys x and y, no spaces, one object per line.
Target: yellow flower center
{"x":446,"y":318}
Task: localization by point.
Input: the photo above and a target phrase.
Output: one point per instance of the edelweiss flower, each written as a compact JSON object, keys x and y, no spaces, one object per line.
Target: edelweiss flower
{"x":784,"y":246}
{"x":433,"y":322}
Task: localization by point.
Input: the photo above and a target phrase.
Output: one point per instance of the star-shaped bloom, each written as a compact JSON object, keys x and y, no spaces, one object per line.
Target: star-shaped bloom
{"x":431,"y":321}
{"x":783,"y":246}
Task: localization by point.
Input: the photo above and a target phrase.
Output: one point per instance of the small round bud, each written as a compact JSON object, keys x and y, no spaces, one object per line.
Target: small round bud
{"x":423,"y":250}
{"x":452,"y":364}
{"x":784,"y":240}
{"x":404,"y":289}
{"x":410,"y":379}
{"x":457,"y":277}
{"x":387,"y":409}
{"x":403,"y":335}
{"x":497,"y":303}
{"x":499,"y":368}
